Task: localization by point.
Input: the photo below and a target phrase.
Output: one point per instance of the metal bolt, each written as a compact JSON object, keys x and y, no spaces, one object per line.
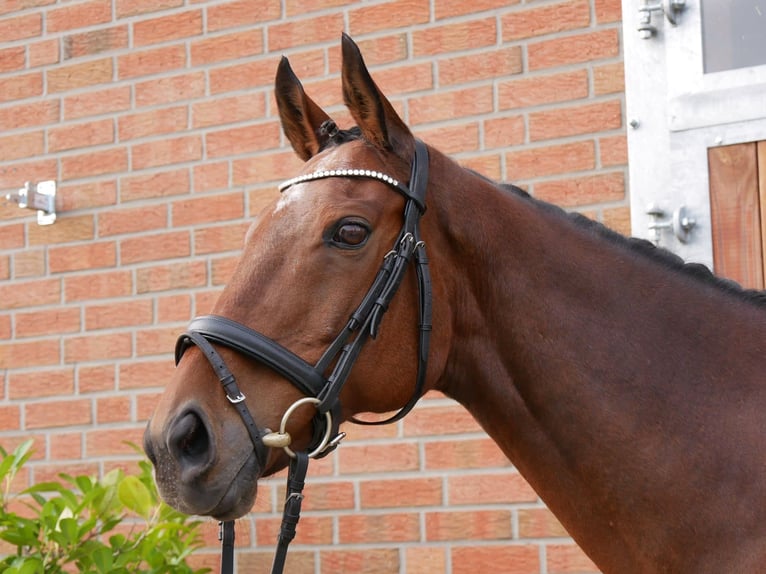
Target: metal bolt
{"x":634,"y":123}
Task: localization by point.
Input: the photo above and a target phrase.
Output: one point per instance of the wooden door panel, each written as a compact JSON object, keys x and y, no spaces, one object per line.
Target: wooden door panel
{"x":735,"y":211}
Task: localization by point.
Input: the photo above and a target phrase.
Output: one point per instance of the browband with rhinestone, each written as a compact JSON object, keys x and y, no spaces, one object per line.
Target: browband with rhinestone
{"x":323,"y":174}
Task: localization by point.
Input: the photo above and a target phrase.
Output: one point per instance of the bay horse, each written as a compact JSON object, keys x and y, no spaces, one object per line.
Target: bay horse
{"x":627,"y":387}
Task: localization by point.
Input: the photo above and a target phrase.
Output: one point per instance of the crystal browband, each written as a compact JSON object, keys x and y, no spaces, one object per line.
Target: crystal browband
{"x":344,"y":173}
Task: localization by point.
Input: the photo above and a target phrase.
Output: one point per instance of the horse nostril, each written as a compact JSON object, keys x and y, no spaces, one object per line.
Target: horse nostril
{"x":189,"y":441}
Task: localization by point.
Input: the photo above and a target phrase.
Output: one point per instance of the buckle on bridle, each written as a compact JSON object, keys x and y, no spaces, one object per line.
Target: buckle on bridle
{"x":235,"y":400}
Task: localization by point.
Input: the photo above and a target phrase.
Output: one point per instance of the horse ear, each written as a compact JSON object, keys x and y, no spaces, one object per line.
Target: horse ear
{"x":374,"y":114}
{"x":301,"y":117}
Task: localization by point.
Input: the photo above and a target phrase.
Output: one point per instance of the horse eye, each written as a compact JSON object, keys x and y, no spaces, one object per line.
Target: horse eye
{"x":350,"y":234}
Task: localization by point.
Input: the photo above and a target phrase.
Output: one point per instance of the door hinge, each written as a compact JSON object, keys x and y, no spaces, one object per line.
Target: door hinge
{"x":671,"y":9}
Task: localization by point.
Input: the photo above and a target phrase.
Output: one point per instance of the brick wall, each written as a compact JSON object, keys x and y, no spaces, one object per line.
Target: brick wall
{"x":157,"y":119}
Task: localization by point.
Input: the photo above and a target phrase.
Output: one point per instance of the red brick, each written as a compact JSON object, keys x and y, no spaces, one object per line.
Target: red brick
{"x":312,"y":530}
{"x":574,"y":191}
{"x":22,"y":294}
{"x":219,"y":239}
{"x":66,"y":230}
{"x":97,"y":103}
{"x":539,"y":523}
{"x":167,"y":151}
{"x":372,"y":561}
{"x":29,"y":115}
{"x":304,"y":31}
{"x":568,"y":559}
{"x":457,"y":37}
{"x":468,"y":525}
{"x":10,"y":418}
{"x":157,"y":341}
{"x":98,"y":347}
{"x":12,"y":236}
{"x":92,"y":379}
{"x":514,"y":559}
{"x":222,"y":270}
{"x":170,"y":90}
{"x":464,"y":454}
{"x":85,"y":134}
{"x":609,"y":79}
{"x":261,"y":168}
{"x":171,"y":276}
{"x":43,"y":53}
{"x":83,"y":75}
{"x":12,"y":59}
{"x":113,"y":160}
{"x":211,"y":176}
{"x":208,"y":209}
{"x":22,"y":145}
{"x":21,"y":27}
{"x":113,"y":410}
{"x":487,"y":165}
{"x":76,"y":196}
{"x":588,"y":47}
{"x":449,"y":8}
{"x":549,"y":19}
{"x":504,"y":131}
{"x":159,"y":184}
{"x":506,"y":62}
{"x":233,"y":109}
{"x":145,"y":374}
{"x":119,"y":314}
{"x":47,"y":322}
{"x":95,"y":42}
{"x":448,"y":104}
{"x":66,"y":446}
{"x":153,"y":61}
{"x":29,"y":263}
{"x":378,"y":458}
{"x":21,"y":87}
{"x":246,"y":139}
{"x":400,"y":492}
{"x":378,"y":528}
{"x":508,"y":487}
{"x":153,"y":122}
{"x":575,"y":120}
{"x":132,"y":220}
{"x":608,"y":11}
{"x":401,"y":80}
{"x":125,"y":8}
{"x":613,"y":150}
{"x":299,"y":7}
{"x":551,"y":160}
{"x":57,"y":414}
{"x":30,"y":354}
{"x":440,"y":421}
{"x":259,"y":562}
{"x":228,"y":47}
{"x":617,"y":219}
{"x":242,"y":76}
{"x":171,"y":308}
{"x":154,"y":247}
{"x":537,"y":90}
{"x":80,"y":15}
{"x":104,"y":285}
{"x":41,"y":383}
{"x":82,"y":257}
{"x":377,"y":51}
{"x":113,"y":442}
{"x":379,"y":17}
{"x":174,"y":26}
{"x":242,"y":13}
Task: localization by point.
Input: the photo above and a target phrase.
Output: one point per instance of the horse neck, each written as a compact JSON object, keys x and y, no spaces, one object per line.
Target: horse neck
{"x":580,"y":357}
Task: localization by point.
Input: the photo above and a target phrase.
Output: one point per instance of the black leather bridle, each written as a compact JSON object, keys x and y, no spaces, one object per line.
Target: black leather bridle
{"x":320,"y":388}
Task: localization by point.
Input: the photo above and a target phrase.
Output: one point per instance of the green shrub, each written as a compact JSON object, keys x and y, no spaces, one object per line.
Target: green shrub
{"x":74,"y":524}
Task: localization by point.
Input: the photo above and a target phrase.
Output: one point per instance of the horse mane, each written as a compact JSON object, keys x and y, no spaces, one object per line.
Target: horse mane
{"x":644,"y":248}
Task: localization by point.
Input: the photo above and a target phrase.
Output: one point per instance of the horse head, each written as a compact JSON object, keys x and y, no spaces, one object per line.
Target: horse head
{"x":319,"y":269}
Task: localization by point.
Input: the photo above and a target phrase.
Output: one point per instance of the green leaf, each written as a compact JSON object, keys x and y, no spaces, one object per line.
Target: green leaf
{"x":134,"y":494}
{"x":103,"y":559}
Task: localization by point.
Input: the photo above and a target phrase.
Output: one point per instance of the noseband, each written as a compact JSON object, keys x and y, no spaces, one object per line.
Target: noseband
{"x":322,"y":389}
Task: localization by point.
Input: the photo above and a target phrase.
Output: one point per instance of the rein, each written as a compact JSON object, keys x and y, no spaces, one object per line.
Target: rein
{"x":320,"y":390}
